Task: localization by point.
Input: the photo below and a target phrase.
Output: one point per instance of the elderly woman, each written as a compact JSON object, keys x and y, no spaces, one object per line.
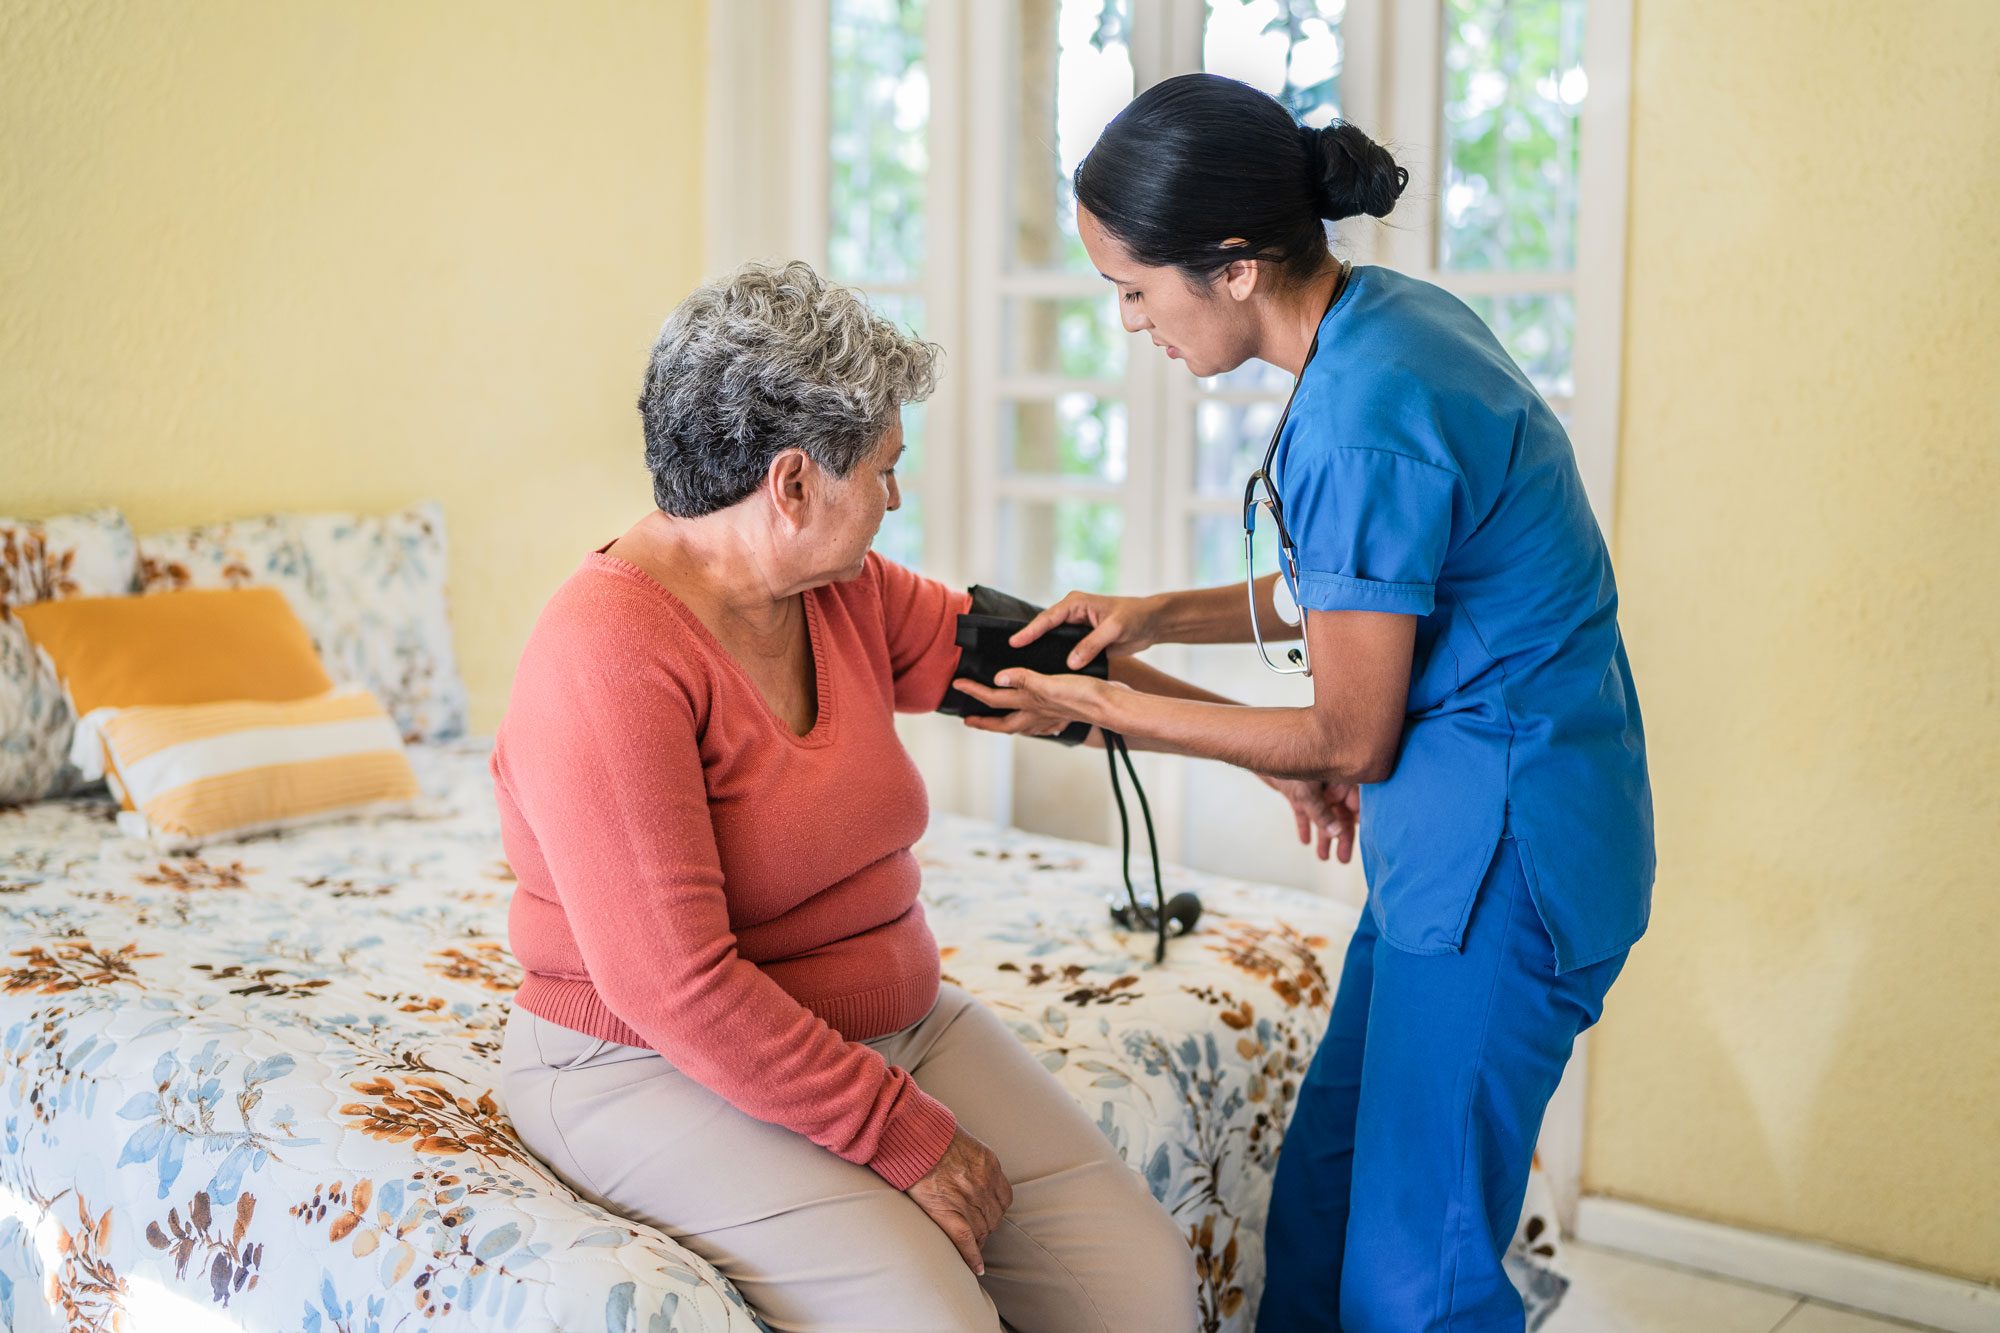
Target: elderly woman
{"x":732,"y":1025}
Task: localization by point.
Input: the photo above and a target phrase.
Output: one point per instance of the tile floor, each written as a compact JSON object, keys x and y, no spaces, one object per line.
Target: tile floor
{"x":1616,"y":1293}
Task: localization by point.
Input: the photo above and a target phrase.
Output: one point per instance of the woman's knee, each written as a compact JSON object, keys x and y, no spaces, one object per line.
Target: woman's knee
{"x":1146,"y":1277}
{"x":1165,"y":1281}
{"x":871,"y":1260}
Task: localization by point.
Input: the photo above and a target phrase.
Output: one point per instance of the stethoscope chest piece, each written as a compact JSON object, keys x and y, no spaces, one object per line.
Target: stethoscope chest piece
{"x":1284,"y":603}
{"x":1183,"y":913}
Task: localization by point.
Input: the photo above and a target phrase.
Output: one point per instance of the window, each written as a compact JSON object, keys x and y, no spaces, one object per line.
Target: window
{"x":1053,"y":378}
{"x":929,"y":149}
{"x":878,"y":158}
{"x":922,"y":150}
{"x":1514,"y":87}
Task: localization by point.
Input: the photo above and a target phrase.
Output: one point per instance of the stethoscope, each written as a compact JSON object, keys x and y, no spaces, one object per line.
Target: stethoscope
{"x":1261,"y":492}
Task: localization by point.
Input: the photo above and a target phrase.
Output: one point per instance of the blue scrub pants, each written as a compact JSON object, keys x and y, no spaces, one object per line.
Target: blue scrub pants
{"x":1400,"y":1181}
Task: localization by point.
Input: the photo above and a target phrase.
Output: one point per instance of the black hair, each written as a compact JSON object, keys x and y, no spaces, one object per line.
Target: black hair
{"x":1200,"y":159}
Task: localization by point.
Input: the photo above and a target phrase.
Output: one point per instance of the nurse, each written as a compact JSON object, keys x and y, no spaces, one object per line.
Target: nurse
{"x":1469,"y":682}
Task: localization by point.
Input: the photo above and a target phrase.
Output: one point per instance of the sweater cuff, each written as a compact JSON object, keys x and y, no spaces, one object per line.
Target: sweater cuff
{"x":914,"y":1140}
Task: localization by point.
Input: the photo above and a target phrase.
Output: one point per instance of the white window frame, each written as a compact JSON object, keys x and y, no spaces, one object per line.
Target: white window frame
{"x":1395,"y":90}
{"x":765,"y":196}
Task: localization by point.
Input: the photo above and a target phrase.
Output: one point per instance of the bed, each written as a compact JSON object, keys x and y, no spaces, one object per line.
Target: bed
{"x":255,"y":1087}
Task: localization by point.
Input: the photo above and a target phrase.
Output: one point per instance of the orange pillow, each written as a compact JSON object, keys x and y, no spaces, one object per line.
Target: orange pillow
{"x":200,"y":646}
{"x":188,"y":774}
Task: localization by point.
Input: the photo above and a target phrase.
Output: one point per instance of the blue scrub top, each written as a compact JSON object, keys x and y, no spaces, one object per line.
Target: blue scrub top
{"x":1421,"y":473}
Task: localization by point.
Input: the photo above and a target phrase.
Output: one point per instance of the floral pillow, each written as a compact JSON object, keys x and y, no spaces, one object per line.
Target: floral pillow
{"x":80,"y":555}
{"x":370,"y":591}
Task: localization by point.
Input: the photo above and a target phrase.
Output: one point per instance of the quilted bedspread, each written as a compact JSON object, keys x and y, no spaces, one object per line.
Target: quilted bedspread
{"x":255,"y":1088}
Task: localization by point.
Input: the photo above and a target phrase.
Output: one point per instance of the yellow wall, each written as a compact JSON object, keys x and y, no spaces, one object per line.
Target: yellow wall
{"x":267,"y":256}
{"x":1809,"y":548}
{"x":262,"y":256}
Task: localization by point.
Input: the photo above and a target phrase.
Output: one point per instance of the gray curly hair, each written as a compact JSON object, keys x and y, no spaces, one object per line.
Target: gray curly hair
{"x":771,"y":357}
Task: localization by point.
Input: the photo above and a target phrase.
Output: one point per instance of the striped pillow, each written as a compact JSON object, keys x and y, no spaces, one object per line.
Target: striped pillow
{"x":188,"y":774}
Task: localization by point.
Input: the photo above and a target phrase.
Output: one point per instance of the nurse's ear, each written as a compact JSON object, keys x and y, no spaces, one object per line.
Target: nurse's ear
{"x":1239,"y":280}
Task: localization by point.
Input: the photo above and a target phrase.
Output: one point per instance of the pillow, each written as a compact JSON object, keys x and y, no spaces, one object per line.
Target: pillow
{"x":202,"y":646}
{"x":191,"y":774}
{"x":80,"y":555}
{"x":369,"y":590}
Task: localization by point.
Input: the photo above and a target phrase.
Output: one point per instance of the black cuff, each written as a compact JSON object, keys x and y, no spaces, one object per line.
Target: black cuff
{"x":984,"y":652}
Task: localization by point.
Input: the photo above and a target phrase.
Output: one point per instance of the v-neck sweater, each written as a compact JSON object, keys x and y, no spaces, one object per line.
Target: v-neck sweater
{"x":694,"y":877}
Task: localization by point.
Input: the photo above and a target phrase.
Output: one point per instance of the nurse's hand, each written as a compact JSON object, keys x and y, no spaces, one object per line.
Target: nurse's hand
{"x":1064,"y":698}
{"x":1327,"y":812}
{"x":1021,"y":722}
{"x":1124,"y":625}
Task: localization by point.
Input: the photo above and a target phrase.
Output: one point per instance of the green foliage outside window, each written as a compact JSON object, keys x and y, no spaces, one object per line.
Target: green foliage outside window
{"x":880,"y":109}
{"x":1513,"y":91}
{"x":1513,"y":87}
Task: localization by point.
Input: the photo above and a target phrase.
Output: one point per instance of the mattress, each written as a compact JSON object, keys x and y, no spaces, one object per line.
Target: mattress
{"x":256,"y":1087}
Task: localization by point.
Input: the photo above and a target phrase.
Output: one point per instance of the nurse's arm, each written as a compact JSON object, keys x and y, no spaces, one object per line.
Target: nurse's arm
{"x":1218,"y":615}
{"x":1350,"y":734}
{"x":1131,"y":624}
{"x":1149,"y":679}
{"x":1124,"y":670}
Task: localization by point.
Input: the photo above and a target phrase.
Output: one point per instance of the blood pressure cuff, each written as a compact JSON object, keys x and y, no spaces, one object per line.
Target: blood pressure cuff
{"x":984,"y":652}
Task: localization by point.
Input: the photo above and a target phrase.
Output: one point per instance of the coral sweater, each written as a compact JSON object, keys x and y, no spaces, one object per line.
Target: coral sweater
{"x":694,"y":877}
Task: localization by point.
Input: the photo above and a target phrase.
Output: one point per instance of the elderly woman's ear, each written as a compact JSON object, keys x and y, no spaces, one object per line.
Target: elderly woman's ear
{"x":790,"y":483}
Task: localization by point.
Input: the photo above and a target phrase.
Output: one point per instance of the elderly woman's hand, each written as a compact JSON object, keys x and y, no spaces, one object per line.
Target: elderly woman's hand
{"x":966,"y":1194}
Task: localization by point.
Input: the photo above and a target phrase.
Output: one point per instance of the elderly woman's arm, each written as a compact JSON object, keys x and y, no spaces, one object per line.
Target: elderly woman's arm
{"x":919,"y":631}
{"x":618,"y":809}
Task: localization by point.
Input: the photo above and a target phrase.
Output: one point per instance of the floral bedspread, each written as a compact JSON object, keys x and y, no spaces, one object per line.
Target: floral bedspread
{"x":255,"y":1088}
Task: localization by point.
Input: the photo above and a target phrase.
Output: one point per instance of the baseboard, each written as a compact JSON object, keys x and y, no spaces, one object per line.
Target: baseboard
{"x":1819,"y":1271}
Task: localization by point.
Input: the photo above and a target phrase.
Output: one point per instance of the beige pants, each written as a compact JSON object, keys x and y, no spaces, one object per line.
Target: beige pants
{"x":814,"y":1242}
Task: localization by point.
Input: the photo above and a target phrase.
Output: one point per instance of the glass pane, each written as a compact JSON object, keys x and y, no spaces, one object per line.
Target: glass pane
{"x":1074,"y":64}
{"x":902,"y":534}
{"x":1074,"y":435}
{"x":915,"y":417}
{"x":907,"y":314}
{"x":1252,"y":376}
{"x":1216,"y":550}
{"x":1062,"y":793}
{"x":1229,"y":444}
{"x":1078,"y":337}
{"x":1290,"y":48}
{"x":1049,"y":547}
{"x":1539,"y":332}
{"x":1219,"y":549}
{"x":1513,"y":90}
{"x":880,"y":107}
{"x":1232,"y":824}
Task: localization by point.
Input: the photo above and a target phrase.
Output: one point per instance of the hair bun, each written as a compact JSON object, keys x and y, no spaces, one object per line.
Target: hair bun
{"x":1352,"y":174}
